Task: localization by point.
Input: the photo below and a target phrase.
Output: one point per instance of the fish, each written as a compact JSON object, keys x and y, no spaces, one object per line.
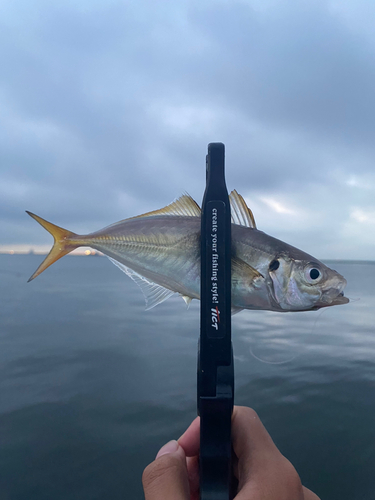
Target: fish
{"x":160,"y":251}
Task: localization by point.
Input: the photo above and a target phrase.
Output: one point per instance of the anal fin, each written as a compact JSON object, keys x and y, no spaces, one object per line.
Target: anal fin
{"x":154,"y":294}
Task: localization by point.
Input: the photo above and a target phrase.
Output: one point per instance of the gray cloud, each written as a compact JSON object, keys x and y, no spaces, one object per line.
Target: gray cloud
{"x":107,"y":109}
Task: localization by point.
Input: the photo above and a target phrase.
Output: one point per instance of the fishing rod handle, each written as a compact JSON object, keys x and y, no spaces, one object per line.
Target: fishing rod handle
{"x":215,"y":355}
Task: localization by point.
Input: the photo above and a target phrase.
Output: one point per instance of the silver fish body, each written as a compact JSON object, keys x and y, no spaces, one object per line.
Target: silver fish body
{"x":295,"y":280}
{"x":161,"y":252}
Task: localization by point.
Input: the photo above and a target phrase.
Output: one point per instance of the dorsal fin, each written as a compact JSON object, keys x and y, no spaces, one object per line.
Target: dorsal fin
{"x":241,"y":213}
{"x":184,"y":205}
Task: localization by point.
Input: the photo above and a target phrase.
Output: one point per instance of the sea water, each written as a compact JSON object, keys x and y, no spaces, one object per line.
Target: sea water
{"x":91,"y":384}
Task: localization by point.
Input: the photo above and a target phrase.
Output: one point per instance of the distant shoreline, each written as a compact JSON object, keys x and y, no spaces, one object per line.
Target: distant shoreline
{"x":79,"y":252}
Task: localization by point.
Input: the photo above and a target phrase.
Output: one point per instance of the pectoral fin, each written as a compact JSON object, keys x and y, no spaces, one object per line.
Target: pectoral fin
{"x":243,"y":273}
{"x":249,"y":287}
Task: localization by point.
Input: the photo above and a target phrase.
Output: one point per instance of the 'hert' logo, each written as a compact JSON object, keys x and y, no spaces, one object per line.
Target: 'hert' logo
{"x":215,"y":318}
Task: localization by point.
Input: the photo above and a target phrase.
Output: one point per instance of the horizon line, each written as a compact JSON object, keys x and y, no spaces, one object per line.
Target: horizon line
{"x":88,"y":251}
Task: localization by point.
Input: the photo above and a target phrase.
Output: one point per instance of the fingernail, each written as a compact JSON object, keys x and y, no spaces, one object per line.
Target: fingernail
{"x":170,"y":447}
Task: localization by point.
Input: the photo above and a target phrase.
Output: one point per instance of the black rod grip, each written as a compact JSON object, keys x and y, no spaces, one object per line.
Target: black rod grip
{"x":215,"y":357}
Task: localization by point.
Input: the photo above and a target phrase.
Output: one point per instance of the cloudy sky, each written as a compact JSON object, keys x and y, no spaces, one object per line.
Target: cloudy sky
{"x":107,"y":107}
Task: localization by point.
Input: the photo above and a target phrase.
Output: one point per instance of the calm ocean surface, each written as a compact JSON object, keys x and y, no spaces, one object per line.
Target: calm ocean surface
{"x":91,"y":385}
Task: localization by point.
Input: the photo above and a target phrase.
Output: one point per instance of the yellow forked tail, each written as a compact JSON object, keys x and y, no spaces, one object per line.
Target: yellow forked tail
{"x":62,"y":244}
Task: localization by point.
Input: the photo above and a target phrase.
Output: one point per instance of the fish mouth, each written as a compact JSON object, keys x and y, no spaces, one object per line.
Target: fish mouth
{"x":340,"y":299}
{"x":336,"y":301}
{"x":333,"y":295}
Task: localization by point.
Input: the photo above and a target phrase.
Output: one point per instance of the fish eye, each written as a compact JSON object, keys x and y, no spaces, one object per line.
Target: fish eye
{"x":274,"y":265}
{"x":312,"y":273}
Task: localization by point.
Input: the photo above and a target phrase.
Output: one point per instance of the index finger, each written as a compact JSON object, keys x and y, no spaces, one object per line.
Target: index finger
{"x":248,"y":432}
{"x":190,"y":439}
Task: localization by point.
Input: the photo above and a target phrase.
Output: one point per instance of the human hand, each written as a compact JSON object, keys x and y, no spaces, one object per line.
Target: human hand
{"x":262,"y":471}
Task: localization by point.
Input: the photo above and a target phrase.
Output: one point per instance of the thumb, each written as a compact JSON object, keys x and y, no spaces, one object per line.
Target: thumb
{"x":166,"y":478}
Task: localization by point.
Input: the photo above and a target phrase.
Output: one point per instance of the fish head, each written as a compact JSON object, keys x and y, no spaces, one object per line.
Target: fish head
{"x":305,"y":283}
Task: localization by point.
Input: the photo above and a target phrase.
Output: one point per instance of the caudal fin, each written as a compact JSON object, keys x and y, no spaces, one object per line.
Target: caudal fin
{"x":62,"y":244}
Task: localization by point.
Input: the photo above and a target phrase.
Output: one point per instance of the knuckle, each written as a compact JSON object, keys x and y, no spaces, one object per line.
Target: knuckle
{"x":292,"y":481}
{"x":247,"y":413}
